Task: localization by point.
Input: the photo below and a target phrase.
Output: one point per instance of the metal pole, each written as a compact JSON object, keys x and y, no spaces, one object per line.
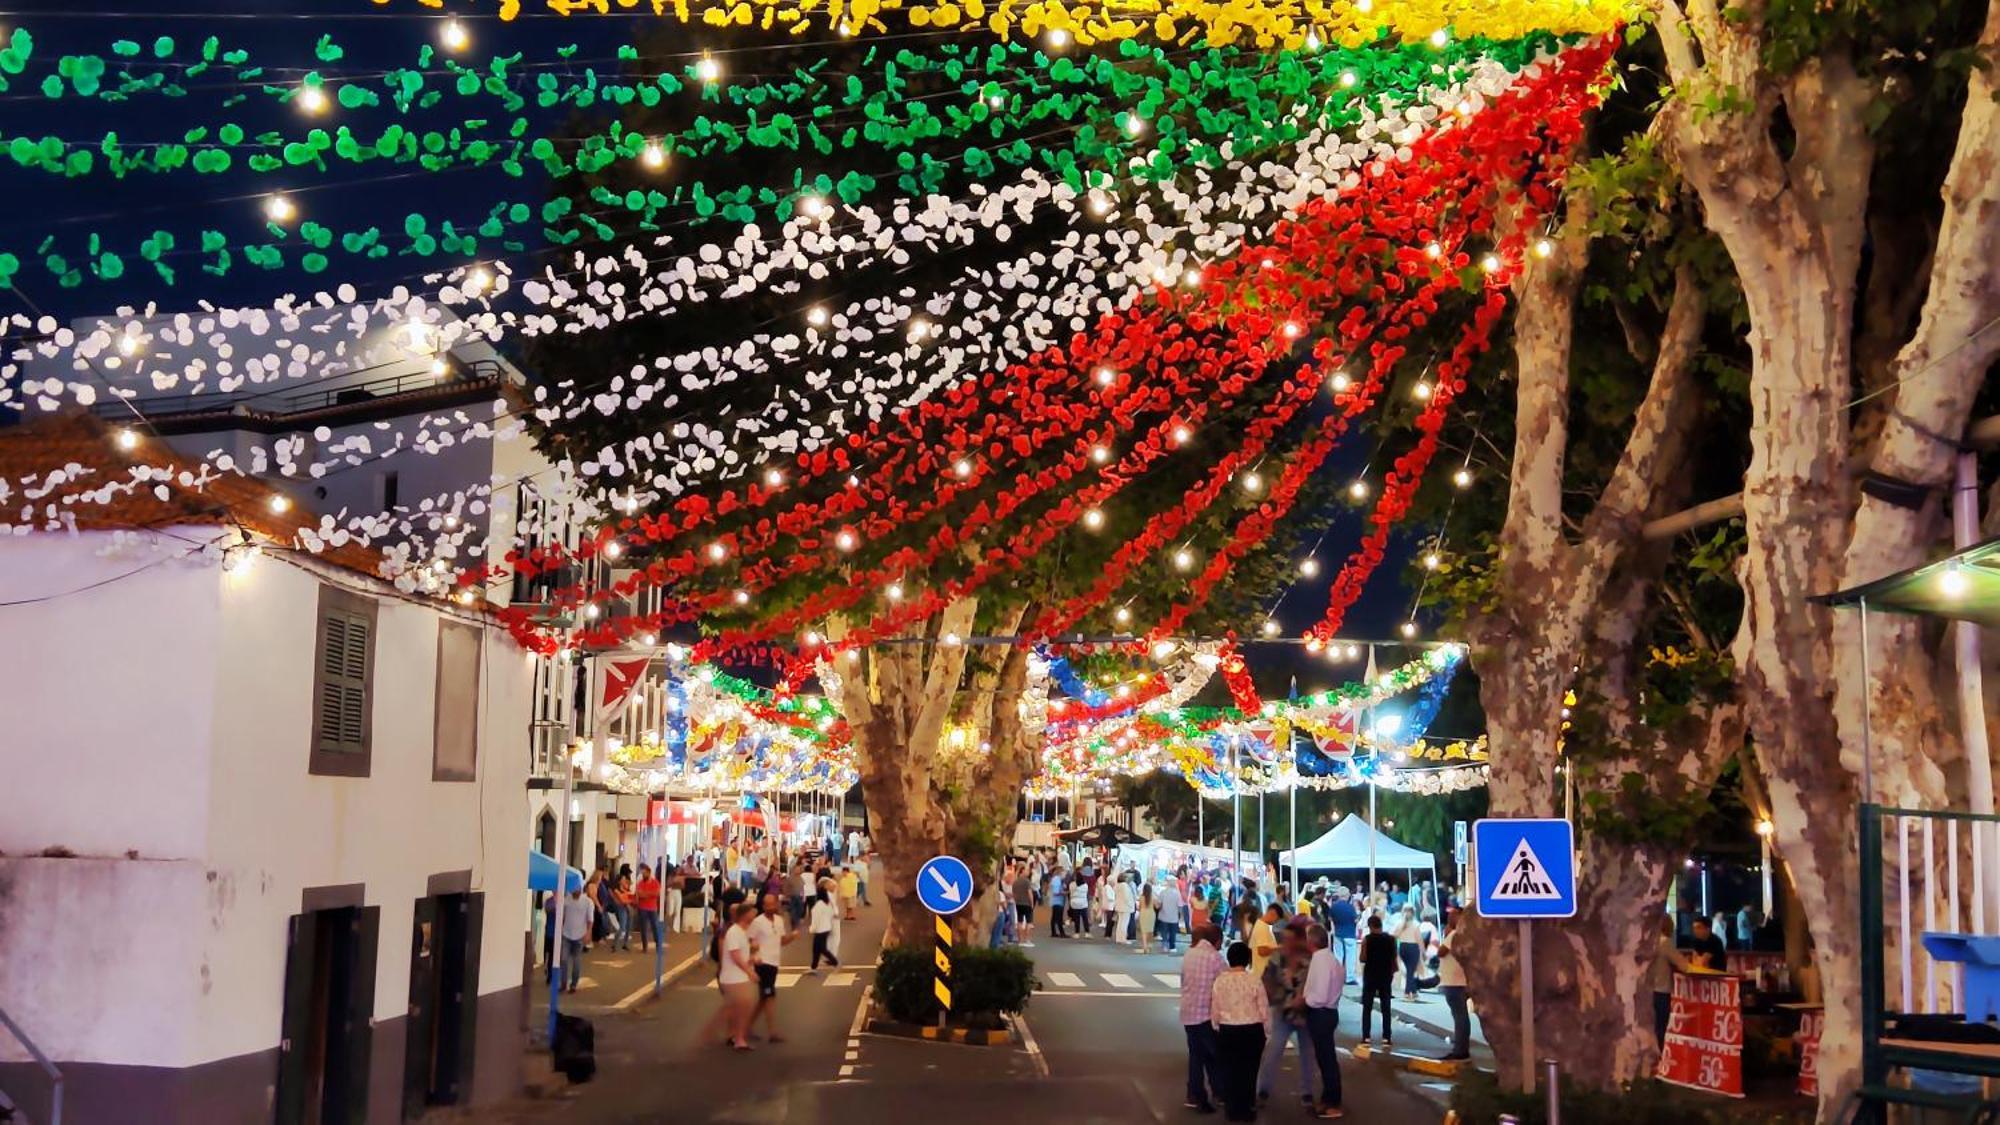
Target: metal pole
{"x":561,"y":892}
{"x":1527,"y":1006}
{"x":1971,"y":684}
{"x":1552,"y":1075}
{"x":1374,"y":759}
{"x":1236,"y":824}
{"x":1294,"y":796}
{"x":1262,"y":839}
{"x":1868,"y":715}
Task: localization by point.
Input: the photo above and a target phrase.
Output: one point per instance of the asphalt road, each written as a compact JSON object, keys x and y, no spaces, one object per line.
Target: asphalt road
{"x":1102,"y":1044}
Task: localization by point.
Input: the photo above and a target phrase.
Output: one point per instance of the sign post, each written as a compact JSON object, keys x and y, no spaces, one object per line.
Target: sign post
{"x":1525,"y":869}
{"x":944,"y":886}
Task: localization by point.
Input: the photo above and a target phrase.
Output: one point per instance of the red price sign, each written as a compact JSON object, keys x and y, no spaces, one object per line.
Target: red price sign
{"x":1807,"y":1041}
{"x":1704,"y":1048}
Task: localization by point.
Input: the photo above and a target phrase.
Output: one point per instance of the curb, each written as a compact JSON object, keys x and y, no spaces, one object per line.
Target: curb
{"x":1417,"y":1064}
{"x":972,"y":1037}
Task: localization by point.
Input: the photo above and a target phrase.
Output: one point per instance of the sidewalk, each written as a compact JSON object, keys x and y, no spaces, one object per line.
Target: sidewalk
{"x":1423,"y":1026}
{"x":616,"y":980}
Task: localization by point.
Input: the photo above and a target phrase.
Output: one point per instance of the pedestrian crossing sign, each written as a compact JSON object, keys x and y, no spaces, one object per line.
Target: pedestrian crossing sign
{"x":1524,"y":868}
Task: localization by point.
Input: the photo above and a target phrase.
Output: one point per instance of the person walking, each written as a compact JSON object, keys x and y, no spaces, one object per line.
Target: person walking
{"x":674,"y":883}
{"x":1123,"y":904}
{"x":646,"y":908}
{"x":850,"y":889}
{"x":820,"y":919}
{"x":1321,"y":999}
{"x":1284,"y":984}
{"x":579,"y":913}
{"x":735,"y":976}
{"x":1378,"y":976}
{"x":1149,"y":918}
{"x":770,"y":936}
{"x":1058,"y":901}
{"x":1170,"y":915}
{"x":1024,"y":906}
{"x":1345,"y":917}
{"x":1410,"y":948}
{"x":1451,"y":982}
{"x":831,"y":889}
{"x":1079,"y":908}
{"x":1199,"y":969}
{"x":1238,"y":1011}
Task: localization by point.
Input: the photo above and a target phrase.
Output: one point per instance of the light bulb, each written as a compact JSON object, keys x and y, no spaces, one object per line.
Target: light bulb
{"x":919,"y":328}
{"x":1543,"y":248}
{"x":1122,"y":615}
{"x":1354,"y":652}
{"x":895,"y":591}
{"x":1421,"y":392}
{"x":1309,"y":568}
{"x":812,"y":639}
{"x":1183,"y":559}
{"x":1134,"y":124}
{"x":1270,"y":627}
{"x":440,"y":566}
{"x":1182,"y":435}
{"x":1292,"y":330}
{"x":279,"y":209}
{"x":128,"y":440}
{"x":1312,"y":40}
{"x":1462,"y":478}
{"x":773,"y":478}
{"x":1433,"y":250}
{"x":951,"y":638}
{"x":844,"y":540}
{"x":1105,"y":376}
{"x":1358,"y":490}
{"x":1431,"y":561}
{"x":280,"y":504}
{"x":1340,"y":382}
{"x":654,"y":155}
{"x":1099,"y":454}
{"x":1348,"y":78}
{"x":1163,"y":649}
{"x":996,"y":101}
{"x":1058,"y":38}
{"x":439,"y":366}
{"x":742,"y":597}
{"x":1191,"y":277}
{"x":708,"y":70}
{"x":1440,"y":37}
{"x":1252,"y":482}
{"x":813,"y":206}
{"x":312,"y":99}
{"x":961,"y":468}
{"x":450,"y":522}
{"x":716,"y":552}
{"x":454,"y":36}
{"x":1100,"y":203}
{"x":590,"y":612}
{"x":1409,"y":629}
{"x":1952,"y":582}
{"x":613,"y":548}
{"x":816,"y":316}
{"x":1490,"y":263}
{"x":1093,"y":519}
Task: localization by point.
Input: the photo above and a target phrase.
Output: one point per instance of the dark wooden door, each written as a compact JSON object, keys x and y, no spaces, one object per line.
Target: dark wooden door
{"x":420,"y":1038}
{"x":301,"y":1025}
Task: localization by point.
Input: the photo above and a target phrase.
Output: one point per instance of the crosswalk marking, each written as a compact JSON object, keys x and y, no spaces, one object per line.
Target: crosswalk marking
{"x":1171,"y":980}
{"x":1066,"y":980}
{"x":787,"y":980}
{"x":1120,"y":980}
{"x":840,"y":980}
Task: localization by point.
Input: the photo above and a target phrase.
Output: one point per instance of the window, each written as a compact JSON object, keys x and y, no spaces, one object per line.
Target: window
{"x":455,"y":742}
{"x":343,"y":668}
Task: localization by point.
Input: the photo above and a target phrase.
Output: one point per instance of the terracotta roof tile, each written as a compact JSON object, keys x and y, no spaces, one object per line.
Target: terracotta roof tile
{"x":145,"y":488}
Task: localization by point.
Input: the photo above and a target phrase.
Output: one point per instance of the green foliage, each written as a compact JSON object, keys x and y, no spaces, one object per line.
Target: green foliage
{"x":985,"y":984}
{"x":1479,"y":1100}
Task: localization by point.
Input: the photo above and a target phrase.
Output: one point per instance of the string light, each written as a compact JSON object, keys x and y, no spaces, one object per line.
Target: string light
{"x":1431,"y":560}
{"x":1309,"y":567}
{"x":649,"y":639}
{"x":1952,"y":583}
{"x":312,"y":99}
{"x":773,"y":478}
{"x":1348,"y":78}
{"x":1409,"y":629}
{"x":1440,"y":38}
{"x":439,"y":366}
{"x":844,"y":540}
{"x":279,"y":209}
{"x":654,"y":155}
{"x":1134,"y":124}
{"x":1182,"y":435}
{"x":708,"y":70}
{"x":1434,"y":251}
{"x":1490,"y":263}
{"x":613,"y":548}
{"x":813,"y":206}
{"x":1270,"y":627}
{"x":1543,"y":248}
{"x":1105,"y":376}
{"x":1123,"y":616}
{"x":128,"y":440}
{"x":590,"y":612}
{"x":454,"y":36}
{"x":895,"y":591}
{"x":128,"y":344}
{"x":1058,"y":38}
{"x":1252,"y":482}
{"x":1462,"y":478}
{"x":280,"y":503}
{"x":1421,"y":392}
{"x":1099,"y":454}
{"x":742,"y":597}
{"x":1183,"y":559}
{"x":716,"y":552}
{"x":961,"y":468}
{"x":1340,"y":382}
{"x":1093,"y":519}
{"x":1358,"y":490}
{"x":817,"y":316}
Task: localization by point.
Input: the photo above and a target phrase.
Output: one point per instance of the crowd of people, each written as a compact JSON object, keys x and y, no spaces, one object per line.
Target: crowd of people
{"x":816,"y":883}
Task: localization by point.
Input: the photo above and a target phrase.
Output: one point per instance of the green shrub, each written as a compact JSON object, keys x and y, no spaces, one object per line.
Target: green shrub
{"x":985,"y":984}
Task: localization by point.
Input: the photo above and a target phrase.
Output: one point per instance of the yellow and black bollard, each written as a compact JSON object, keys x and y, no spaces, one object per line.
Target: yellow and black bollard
{"x":942,"y":986}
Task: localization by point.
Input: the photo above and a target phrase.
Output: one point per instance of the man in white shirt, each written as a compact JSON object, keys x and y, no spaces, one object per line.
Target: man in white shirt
{"x":1170,"y":913}
{"x":1324,"y":977}
{"x":768,"y":938}
{"x":578,"y":913}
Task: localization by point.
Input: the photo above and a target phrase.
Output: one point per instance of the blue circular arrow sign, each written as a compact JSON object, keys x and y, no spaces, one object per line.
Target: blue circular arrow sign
{"x":944,"y":885}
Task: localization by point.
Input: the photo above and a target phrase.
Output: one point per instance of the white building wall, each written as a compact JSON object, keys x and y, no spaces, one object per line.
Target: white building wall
{"x":170,"y":712}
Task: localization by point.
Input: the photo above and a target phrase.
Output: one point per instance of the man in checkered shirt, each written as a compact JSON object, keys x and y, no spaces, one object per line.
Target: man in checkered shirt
{"x":1199,"y":967}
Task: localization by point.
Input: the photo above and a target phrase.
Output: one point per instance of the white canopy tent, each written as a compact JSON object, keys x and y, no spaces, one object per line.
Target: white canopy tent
{"x":1165,"y":855}
{"x":1352,"y":845}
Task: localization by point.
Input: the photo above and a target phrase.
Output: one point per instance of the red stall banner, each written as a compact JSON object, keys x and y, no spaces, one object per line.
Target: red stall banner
{"x":1811,"y":1023}
{"x":1704,"y":1049}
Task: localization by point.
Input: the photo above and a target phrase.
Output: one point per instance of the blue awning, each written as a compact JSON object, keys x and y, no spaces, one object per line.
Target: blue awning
{"x":542,"y":873}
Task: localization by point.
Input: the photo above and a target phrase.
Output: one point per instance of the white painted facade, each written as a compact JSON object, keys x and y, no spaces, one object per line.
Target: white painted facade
{"x":157,"y":732}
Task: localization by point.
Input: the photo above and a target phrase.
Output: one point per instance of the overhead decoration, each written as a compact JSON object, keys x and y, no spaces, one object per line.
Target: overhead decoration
{"x":1262,"y":23}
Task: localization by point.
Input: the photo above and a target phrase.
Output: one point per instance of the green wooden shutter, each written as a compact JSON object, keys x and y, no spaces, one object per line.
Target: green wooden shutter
{"x":343,"y":681}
